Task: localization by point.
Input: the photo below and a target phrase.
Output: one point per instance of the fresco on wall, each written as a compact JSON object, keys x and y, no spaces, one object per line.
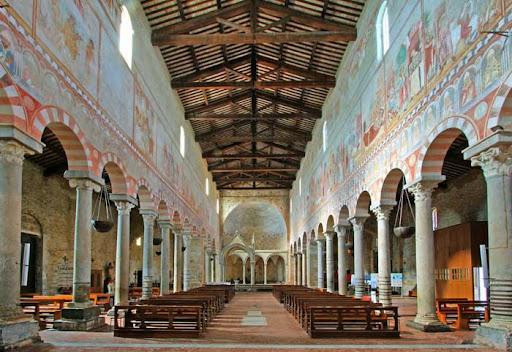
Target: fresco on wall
{"x":116,"y":86}
{"x":373,"y":109}
{"x":24,"y":8}
{"x":144,"y":121}
{"x":71,"y":29}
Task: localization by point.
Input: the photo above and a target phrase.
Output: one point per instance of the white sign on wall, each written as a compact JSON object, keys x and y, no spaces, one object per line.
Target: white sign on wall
{"x":396,"y":279}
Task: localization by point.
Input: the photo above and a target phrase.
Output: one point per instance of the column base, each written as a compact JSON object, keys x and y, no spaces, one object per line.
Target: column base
{"x":17,"y":333}
{"x":495,"y":334}
{"x":428,"y":325}
{"x":80,"y":319}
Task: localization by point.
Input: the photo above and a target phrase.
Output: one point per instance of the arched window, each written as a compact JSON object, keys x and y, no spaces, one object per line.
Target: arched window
{"x":207,"y":186}
{"x":182,"y":141}
{"x":382,"y":31}
{"x":435,"y":218}
{"x":300,"y":186}
{"x":218,"y":205}
{"x":126,"y":37}
{"x":324,"y":136}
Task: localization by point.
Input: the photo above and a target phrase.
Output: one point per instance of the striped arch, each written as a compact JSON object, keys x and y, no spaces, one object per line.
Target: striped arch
{"x":299,"y":245}
{"x":312,"y":236}
{"x":363,"y":204}
{"x":343,"y":216}
{"x":305,"y":240}
{"x":320,"y":232}
{"x":501,"y":110}
{"x":390,"y":186}
{"x":117,"y":174}
{"x":146,"y":197}
{"x":330,"y":223}
{"x":163,"y":211}
{"x":176,"y":218}
{"x":12,"y":109}
{"x":69,"y":134}
{"x":431,"y":157}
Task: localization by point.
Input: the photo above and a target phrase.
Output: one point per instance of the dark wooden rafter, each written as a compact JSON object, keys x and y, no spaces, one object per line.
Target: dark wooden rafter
{"x":253,"y":106}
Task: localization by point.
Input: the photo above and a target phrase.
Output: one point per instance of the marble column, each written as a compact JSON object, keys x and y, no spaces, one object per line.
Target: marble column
{"x":165,"y":230}
{"x":341,"y":230}
{"x":149,"y":217}
{"x":214,"y":267}
{"x":124,"y":204}
{"x":308,"y":265}
{"x":82,"y":245}
{"x":243,"y":270}
{"x":299,"y":268}
{"x":176,"y":260}
{"x":329,"y":260}
{"x":265,"y":272}
{"x":496,"y":163}
{"x":426,"y":317}
{"x":384,"y":253}
{"x":358,"y":224}
{"x":304,"y":266}
{"x":207,"y":266}
{"x":186,"y":261}
{"x":15,"y":327}
{"x":253,"y":272}
{"x":320,"y":263}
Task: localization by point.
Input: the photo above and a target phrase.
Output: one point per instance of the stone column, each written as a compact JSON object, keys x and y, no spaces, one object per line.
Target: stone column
{"x":358,"y":224}
{"x":253,"y":272}
{"x":496,"y":162}
{"x":320,"y":264}
{"x":265,"y":271}
{"x":299,"y":268}
{"x":243,"y":270}
{"x":165,"y":230}
{"x":124,"y":204}
{"x":304,"y":266}
{"x":149,"y":217}
{"x":329,"y":260}
{"x":176,"y":260}
{"x":15,"y":327}
{"x":186,"y":259}
{"x":308,"y":265}
{"x":426,"y":318}
{"x":342,"y":259}
{"x":214,"y":267}
{"x":384,"y":253}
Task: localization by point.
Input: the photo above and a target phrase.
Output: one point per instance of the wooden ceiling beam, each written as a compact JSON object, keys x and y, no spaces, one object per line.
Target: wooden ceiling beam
{"x":308,"y":73}
{"x":214,"y":104}
{"x":197,"y":22}
{"x":252,"y":156}
{"x":266,"y":169}
{"x":250,"y":138}
{"x":253,"y":85}
{"x":215,"y":131}
{"x":250,"y":188}
{"x":252,"y":38}
{"x":292,"y":103}
{"x":283,"y":147}
{"x":307,"y":19}
{"x":288,"y":129}
{"x":234,"y":116}
{"x":213,"y":70}
{"x":255,"y":179}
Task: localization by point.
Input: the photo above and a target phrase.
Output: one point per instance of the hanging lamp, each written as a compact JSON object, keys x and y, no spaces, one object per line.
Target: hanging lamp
{"x":402,"y":230}
{"x":102,"y":224}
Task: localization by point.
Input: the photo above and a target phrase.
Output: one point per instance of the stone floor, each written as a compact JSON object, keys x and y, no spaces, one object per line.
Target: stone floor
{"x":257,"y":322}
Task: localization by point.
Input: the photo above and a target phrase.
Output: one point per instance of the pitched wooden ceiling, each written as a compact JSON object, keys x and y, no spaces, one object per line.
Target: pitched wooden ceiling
{"x":252,"y":76}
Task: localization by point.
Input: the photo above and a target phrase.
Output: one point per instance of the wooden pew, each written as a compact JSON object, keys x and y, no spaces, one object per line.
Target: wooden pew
{"x":446,"y":309}
{"x":157,"y":321}
{"x":471,"y":312}
{"x":377,"y":322}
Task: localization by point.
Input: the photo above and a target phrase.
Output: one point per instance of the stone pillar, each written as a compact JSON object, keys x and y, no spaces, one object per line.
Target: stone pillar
{"x":165,"y":229}
{"x":15,"y":327}
{"x":329,"y":260}
{"x":253,"y":272}
{"x":494,"y":156}
{"x":320,"y":264}
{"x":149,"y":217}
{"x":358,"y":224}
{"x":304,"y":266}
{"x":124,"y":204}
{"x":299,"y":268}
{"x":308,"y":265}
{"x":243,"y":270}
{"x":265,"y":271}
{"x":214,"y":267}
{"x":186,"y":261}
{"x":384,"y":253}
{"x":176,"y":260}
{"x":426,"y":317}
{"x":342,"y":259}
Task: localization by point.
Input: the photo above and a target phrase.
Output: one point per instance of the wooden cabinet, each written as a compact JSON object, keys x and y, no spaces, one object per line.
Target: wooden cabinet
{"x":457,"y":253}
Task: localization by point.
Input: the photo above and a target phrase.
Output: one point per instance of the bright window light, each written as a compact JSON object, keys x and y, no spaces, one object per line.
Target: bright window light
{"x":300,"y":186}
{"x":218,"y":206}
{"x":138,"y":241}
{"x":126,"y":37}
{"x":207,"y":186}
{"x":324,"y":136}
{"x":182,"y":141}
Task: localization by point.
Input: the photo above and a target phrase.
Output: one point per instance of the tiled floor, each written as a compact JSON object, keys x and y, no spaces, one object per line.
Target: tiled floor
{"x":280,"y":332}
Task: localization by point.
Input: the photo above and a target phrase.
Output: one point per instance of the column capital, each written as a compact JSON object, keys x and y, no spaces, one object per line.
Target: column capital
{"x":164,"y":224}
{"x":423,"y":188}
{"x":124,"y":203}
{"x":12,"y":151}
{"x":382,"y":211}
{"x":358,"y":221}
{"x":329,"y":235}
{"x":341,"y":229}
{"x":320,"y":240}
{"x":495,"y":161}
{"x":149,"y":216}
{"x":84,"y":180}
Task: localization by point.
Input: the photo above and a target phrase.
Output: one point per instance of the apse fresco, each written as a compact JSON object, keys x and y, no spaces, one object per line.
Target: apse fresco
{"x":71,"y":29}
{"x":439,"y":66}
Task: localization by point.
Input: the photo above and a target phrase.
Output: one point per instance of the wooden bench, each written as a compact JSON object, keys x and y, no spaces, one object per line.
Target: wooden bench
{"x":157,"y":321}
{"x":377,"y":322}
{"x":446,"y":309}
{"x":44,"y":309}
{"x":471,"y":312}
{"x":101,"y":299}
